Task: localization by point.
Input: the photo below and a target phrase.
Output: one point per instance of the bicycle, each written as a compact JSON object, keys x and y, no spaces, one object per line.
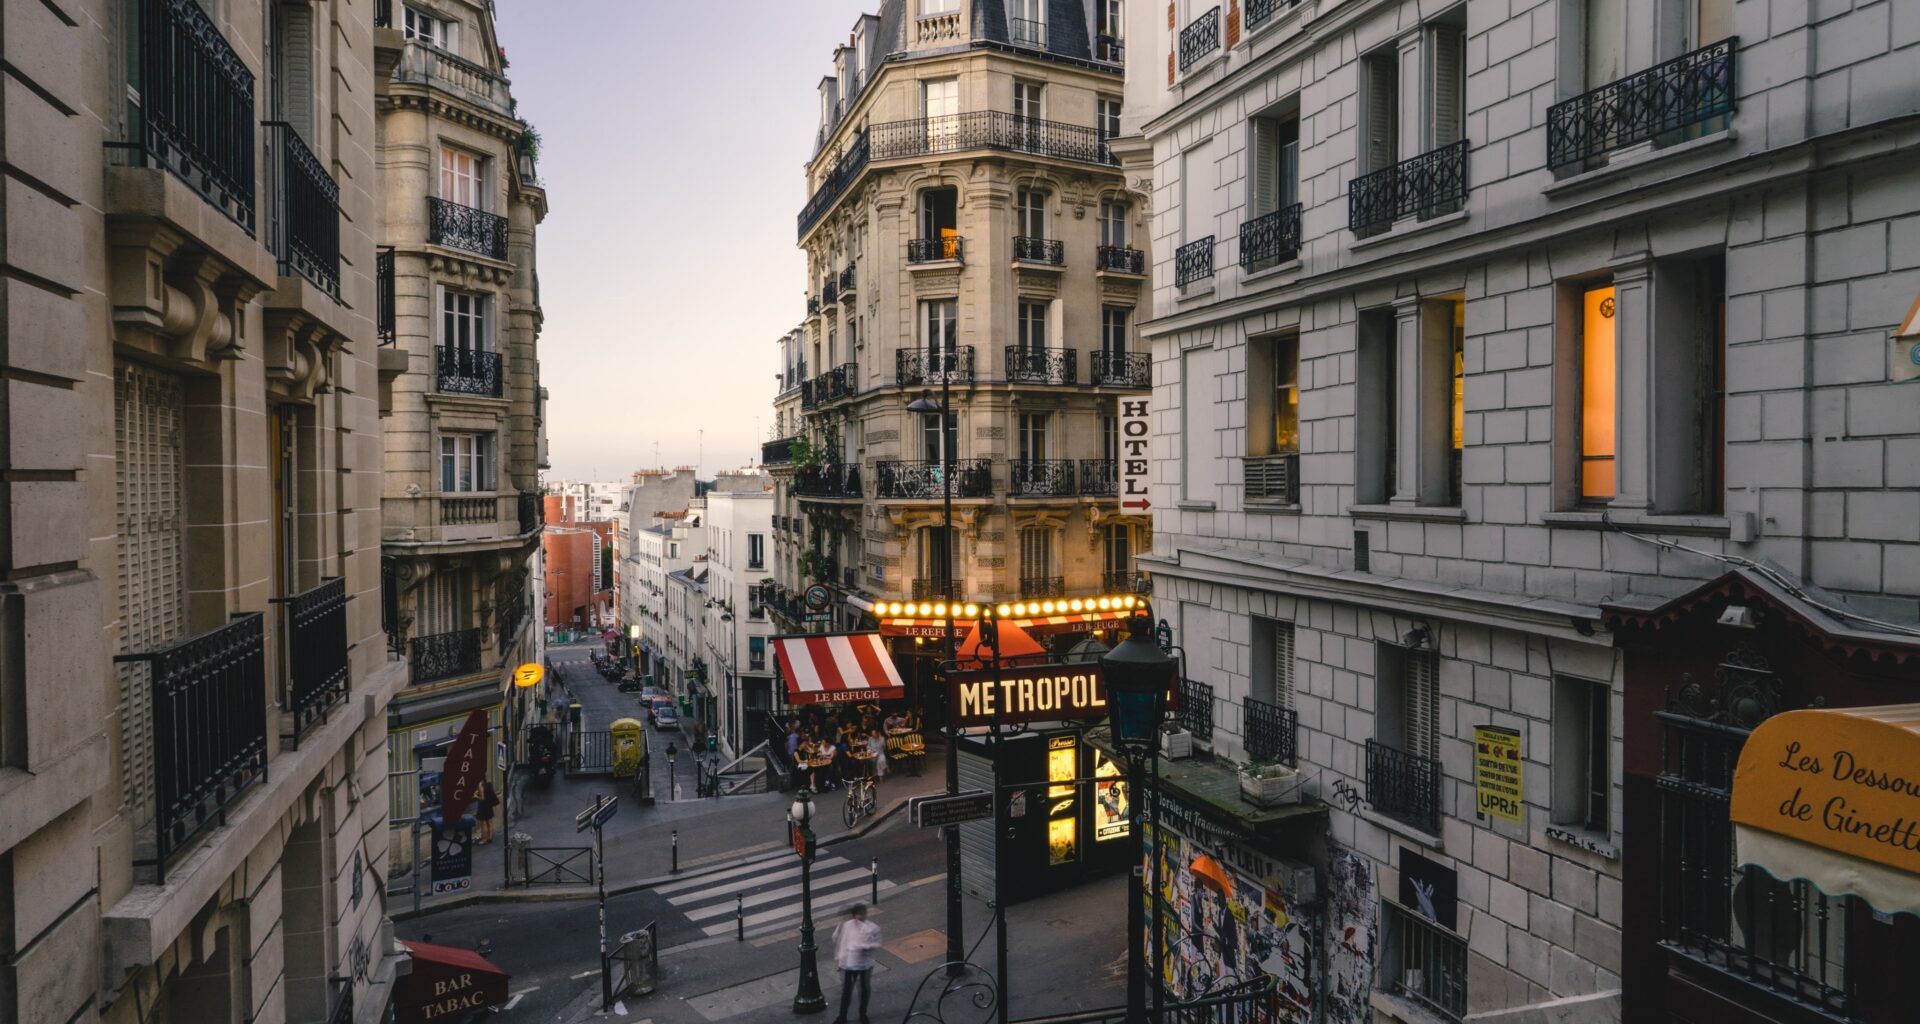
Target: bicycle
{"x":862,"y":800}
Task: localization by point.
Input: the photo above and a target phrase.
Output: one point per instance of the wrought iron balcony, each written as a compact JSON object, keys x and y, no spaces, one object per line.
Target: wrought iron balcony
{"x":1110,"y":49}
{"x":466,"y":228}
{"x":1050,"y":251}
{"x":1271,"y":238}
{"x":1426,"y":963}
{"x":1273,"y":732}
{"x":936,"y":588}
{"x":813,"y":305}
{"x":1428,"y":185}
{"x":846,"y":170}
{"x":1099,"y":478}
{"x":1042,"y":586}
{"x":1272,"y":478}
{"x":1042,"y":365}
{"x":920,"y":479}
{"x":207,"y":702}
{"x":306,"y":211}
{"x":987,"y":129}
{"x":1193,"y":262}
{"x":808,"y":399}
{"x":847,"y":283}
{"x":1121,"y":369}
{"x":384,"y":319}
{"x":828,"y":481}
{"x":382,"y":13}
{"x":1027,"y":32}
{"x":1040,"y":478}
{"x":533,"y":511}
{"x":509,"y":617}
{"x":468,"y":511}
{"x":195,"y":108}
{"x":445,"y":655}
{"x":931,"y":250}
{"x":1196,"y":708}
{"x":838,"y":383}
{"x":1403,"y":786}
{"x":829,"y":293}
{"x":778,"y":452}
{"x":1664,"y":100}
{"x":316,"y":625}
{"x":1199,"y":38}
{"x":920,"y":366}
{"x":1120,"y":259}
{"x":1258,"y":11}
{"x":1124,"y":581}
{"x":465,"y":371}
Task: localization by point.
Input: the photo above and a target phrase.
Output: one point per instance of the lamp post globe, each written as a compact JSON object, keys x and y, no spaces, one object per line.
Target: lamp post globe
{"x":925,"y":403}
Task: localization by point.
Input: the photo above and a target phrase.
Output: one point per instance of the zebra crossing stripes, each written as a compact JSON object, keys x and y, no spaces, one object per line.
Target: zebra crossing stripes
{"x":769,"y":893}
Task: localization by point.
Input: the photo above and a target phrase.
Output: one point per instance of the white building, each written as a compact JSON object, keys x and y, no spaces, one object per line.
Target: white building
{"x":739,"y":560}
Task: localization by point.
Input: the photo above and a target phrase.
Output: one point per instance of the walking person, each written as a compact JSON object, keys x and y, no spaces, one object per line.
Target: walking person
{"x":854,"y":941}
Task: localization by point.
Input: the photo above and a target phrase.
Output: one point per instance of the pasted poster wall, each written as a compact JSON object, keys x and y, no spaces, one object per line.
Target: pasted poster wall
{"x":1353,"y":906}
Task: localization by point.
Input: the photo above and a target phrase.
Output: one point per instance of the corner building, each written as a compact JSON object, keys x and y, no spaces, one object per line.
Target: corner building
{"x":1491,"y":342}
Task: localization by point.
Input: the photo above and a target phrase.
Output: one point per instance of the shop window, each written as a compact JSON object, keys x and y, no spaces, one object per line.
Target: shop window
{"x":1582,"y":755}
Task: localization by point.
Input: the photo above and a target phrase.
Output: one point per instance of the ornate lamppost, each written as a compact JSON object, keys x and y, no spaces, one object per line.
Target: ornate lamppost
{"x":1137,"y":672}
{"x":809,"y":998}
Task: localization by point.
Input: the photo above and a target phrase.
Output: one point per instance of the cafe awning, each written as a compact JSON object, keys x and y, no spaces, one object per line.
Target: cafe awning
{"x":1832,"y":796}
{"x":446,"y":983}
{"x":835,"y":669}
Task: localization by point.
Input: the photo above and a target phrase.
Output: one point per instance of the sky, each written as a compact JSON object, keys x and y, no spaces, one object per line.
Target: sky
{"x":673,"y":141}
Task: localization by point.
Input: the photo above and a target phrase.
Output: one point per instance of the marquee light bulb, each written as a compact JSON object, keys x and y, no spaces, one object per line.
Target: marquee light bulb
{"x":1020,"y":610}
{"x":1076,"y":604}
{"x":973,"y":611}
{"x":940,"y":610}
{"x":1003,"y":611}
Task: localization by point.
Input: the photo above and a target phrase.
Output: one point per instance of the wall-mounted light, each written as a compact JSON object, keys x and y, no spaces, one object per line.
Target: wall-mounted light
{"x":1739,"y":616}
{"x":1421,"y":635}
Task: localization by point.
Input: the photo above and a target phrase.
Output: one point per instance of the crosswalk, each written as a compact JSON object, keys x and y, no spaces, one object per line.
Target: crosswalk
{"x":767,"y":894}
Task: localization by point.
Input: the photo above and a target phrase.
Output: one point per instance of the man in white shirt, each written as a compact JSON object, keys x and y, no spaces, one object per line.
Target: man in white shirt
{"x":854,"y":941}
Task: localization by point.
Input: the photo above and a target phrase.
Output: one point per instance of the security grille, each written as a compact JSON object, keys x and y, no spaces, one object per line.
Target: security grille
{"x":150,"y":541}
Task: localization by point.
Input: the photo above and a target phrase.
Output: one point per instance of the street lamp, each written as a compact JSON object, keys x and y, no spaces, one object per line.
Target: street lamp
{"x":942,"y":358}
{"x":1137,"y":672}
{"x":673,"y":781}
{"x":809,"y":998}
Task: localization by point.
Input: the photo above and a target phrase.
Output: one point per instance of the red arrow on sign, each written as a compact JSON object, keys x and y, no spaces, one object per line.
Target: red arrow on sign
{"x":1136,"y":504}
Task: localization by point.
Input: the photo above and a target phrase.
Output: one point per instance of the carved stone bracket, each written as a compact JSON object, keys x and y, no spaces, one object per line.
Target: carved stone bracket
{"x":967,"y":519}
{"x":299,"y":353}
{"x":468,"y":273}
{"x":179,"y":295}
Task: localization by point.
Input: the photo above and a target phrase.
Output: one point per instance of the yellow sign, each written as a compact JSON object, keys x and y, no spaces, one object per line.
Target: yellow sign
{"x":1842,"y":780}
{"x":1496,"y":772}
{"x":528,"y":675}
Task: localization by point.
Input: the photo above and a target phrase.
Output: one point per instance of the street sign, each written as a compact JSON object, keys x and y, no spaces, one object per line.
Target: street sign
{"x":598,"y":814}
{"x":817,"y":596}
{"x":527,"y":675}
{"x":1136,"y":427}
{"x":943,"y":810}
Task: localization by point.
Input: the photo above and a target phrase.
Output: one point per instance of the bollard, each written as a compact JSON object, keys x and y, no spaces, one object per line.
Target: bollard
{"x":676,"y":851}
{"x":874,"y":874}
{"x":739,"y":917}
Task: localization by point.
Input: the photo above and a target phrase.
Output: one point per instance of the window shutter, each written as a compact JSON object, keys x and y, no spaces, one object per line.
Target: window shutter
{"x":150,"y":509}
{"x":1447,"y":46}
{"x":1266,"y":166}
{"x":1423,"y":704}
{"x":1283,"y":664}
{"x":1382,"y":99}
{"x":296,"y":69}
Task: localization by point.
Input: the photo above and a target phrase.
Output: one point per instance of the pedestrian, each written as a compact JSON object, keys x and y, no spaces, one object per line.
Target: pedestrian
{"x":853,"y":944}
{"x":489,"y":799}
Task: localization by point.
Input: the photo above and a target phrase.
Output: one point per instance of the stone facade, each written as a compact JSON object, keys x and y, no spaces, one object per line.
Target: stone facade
{"x":739,"y":560}
{"x":1747,"y":265}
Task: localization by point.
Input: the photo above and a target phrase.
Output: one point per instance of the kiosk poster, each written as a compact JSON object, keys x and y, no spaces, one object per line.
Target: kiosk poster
{"x":1496,"y":772}
{"x":1110,"y":806}
{"x":452,"y":856}
{"x":1063,"y":805}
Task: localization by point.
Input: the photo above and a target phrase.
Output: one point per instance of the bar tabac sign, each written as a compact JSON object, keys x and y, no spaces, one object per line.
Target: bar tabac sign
{"x":1031,"y":693}
{"x":1847,"y":781}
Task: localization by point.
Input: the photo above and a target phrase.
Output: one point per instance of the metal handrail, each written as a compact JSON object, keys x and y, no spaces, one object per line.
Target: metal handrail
{"x":306,"y":224}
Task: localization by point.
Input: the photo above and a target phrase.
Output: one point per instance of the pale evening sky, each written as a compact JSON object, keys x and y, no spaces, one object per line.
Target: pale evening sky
{"x":672,"y":141}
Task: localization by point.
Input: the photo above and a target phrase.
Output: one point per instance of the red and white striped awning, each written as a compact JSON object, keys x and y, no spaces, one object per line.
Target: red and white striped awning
{"x":837,"y":669}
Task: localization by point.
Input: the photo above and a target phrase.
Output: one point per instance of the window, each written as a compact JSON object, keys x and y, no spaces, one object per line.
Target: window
{"x":1271,"y":666}
{"x":466,"y":463}
{"x":1407,"y":716}
{"x":1028,"y":116}
{"x":940,"y":320}
{"x":930,"y":436}
{"x":291,"y":66}
{"x":1582,"y":747}
{"x":1380,"y":95}
{"x":933,"y":547}
{"x":1106,"y":119}
{"x":756,"y":551}
{"x":1112,"y":15}
{"x":1117,"y":546}
{"x":150,"y":518}
{"x":1274,"y":407}
{"x":463,"y":321}
{"x":1113,"y":337}
{"x":756,"y":648}
{"x":1026,"y":22}
{"x":1033,"y":326}
{"x":1375,"y":449}
{"x":1113,"y":222}
{"x":940,"y":99}
{"x":1447,"y":84}
{"x":1033,"y":436}
{"x":1439,"y":410}
{"x":1276,"y":163}
{"x":938,"y":219}
{"x":1030,"y":213}
{"x":460,"y":177}
{"x":1036,"y":554}
{"x":1604,"y":44}
{"x":1599,"y":396}
{"x":931,"y":7}
{"x":1688,"y":336}
{"x":1423,"y":961}
{"x":1110,"y":438}
{"x":1198,"y":177}
{"x":427,"y":29}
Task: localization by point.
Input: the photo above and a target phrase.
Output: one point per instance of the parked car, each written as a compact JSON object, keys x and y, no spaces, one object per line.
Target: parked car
{"x":664,"y":717}
{"x":654,"y":704}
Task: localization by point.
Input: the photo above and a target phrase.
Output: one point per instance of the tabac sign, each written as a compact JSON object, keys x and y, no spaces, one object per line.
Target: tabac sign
{"x":1846,"y":780}
{"x":1033,"y":693}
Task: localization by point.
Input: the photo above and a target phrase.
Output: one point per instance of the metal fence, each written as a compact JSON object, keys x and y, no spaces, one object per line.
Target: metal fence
{"x":590,"y":753}
{"x":556,"y":865}
{"x":1424,"y":962}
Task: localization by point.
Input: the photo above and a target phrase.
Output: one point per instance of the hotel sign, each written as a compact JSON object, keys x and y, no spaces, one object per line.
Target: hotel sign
{"x":1033,"y":693}
{"x":1136,"y":428}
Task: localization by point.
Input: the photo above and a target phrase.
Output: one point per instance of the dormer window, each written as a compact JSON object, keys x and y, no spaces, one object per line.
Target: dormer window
{"x":435,"y":32}
{"x":932,"y":7}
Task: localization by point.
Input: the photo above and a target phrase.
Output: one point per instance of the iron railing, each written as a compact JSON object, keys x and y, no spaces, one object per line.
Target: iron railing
{"x":1272,"y":478}
{"x":1258,"y":11}
{"x":1027,"y":365}
{"x":340,"y":997}
{"x":1110,"y":49}
{"x":306,"y":211}
{"x":589,"y":752}
{"x":1199,"y":38}
{"x":1099,"y":478}
{"x":382,"y":13}
{"x":828,"y":481}
{"x":1403,"y":786}
{"x":466,"y":228}
{"x":556,"y":865}
{"x":1050,"y":251}
{"x":1691,"y":89}
{"x":209,"y":723}
{"x":847,"y":283}
{"x":1121,"y":369}
{"x":445,"y":655}
{"x":511,"y":614}
{"x":1039,"y":478}
{"x":1027,"y":32}
{"x":778,"y":452}
{"x":1428,"y":185}
{"x":195,"y":112}
{"x":936,"y":588}
{"x":909,"y":479}
{"x":465,"y":371}
{"x":467,"y":511}
{"x":830,"y":292}
{"x":316,"y":625}
{"x":1424,"y":962}
{"x":384,"y":279}
{"x":813,"y":305}
{"x":1193,"y":262}
{"x":1121,"y":259}
{"x":533,"y":511}
{"x":390,"y":602}
{"x":1196,"y":708}
{"x":1123,"y":581}
{"x":1273,"y":732}
{"x":1270,"y":238}
{"x":1042,"y":586}
{"x":843,"y":381}
{"x":987,"y":129}
{"x":930,"y":250}
{"x":846,"y":171}
{"x":924,"y":366}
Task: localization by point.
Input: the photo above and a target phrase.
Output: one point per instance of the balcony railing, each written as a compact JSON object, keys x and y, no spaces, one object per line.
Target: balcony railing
{"x":987,"y":129}
{"x":909,"y":479}
{"x":465,"y":371}
{"x":1042,"y":365}
{"x":1691,"y":89}
{"x":828,"y":481}
{"x":306,"y":211}
{"x":1099,"y":478}
{"x":1272,"y":732}
{"x":1199,"y":38}
{"x":813,"y":305}
{"x":847,"y":283}
{"x":316,"y":624}
{"x":778,"y":452}
{"x":846,"y":171}
{"x":533,"y":511}
{"x":507,"y":620}
{"x":1272,"y":478}
{"x":1042,"y":586}
{"x":445,"y":655}
{"x":921,"y":366}
{"x":195,"y":112}
{"x":466,"y":511}
{"x":930,"y":250}
{"x":1428,"y":185}
{"x":1193,"y":262}
{"x":1121,"y":369}
{"x":1110,"y":49}
{"x":1050,"y":251}
{"x":1270,"y":239}
{"x":829,"y":293}
{"x":1027,"y":32}
{"x":1196,"y":709}
{"x":936,"y":588}
{"x":1124,"y":581}
{"x":1403,"y":786}
{"x":838,"y":383}
{"x":1424,"y":962}
{"x":208,"y":703}
{"x":384,"y":318}
{"x":1040,"y":478}
{"x":466,"y":228}
{"x":382,"y":13}
{"x":1258,"y":11}
{"x":1120,"y":259}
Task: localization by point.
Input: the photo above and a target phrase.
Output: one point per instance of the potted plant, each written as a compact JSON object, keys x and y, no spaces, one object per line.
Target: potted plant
{"x":1267,"y":784}
{"x":1175,"y":741}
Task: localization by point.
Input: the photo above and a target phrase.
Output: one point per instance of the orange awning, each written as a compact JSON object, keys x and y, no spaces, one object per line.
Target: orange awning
{"x":446,"y":983}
